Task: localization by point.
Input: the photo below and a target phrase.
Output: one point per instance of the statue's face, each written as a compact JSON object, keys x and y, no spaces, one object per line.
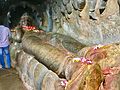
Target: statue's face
{"x":26,"y":21}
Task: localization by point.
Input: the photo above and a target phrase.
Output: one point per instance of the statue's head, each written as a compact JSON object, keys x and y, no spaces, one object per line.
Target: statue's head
{"x":26,"y":20}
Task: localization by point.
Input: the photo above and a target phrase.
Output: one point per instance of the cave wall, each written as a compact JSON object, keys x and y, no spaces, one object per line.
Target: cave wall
{"x":11,"y":11}
{"x":88,"y":21}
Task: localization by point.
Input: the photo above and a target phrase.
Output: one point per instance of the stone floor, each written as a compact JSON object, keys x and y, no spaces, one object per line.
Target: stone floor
{"x":9,"y":80}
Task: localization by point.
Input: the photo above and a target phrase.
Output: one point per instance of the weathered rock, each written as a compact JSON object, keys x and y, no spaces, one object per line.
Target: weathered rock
{"x":18,"y":34}
{"x":78,"y":4}
{"x":69,"y":8}
{"x":92,"y":4}
{"x":106,"y":56}
{"x":86,"y":78}
{"x":49,"y":81}
{"x":51,"y":49}
{"x":92,"y":25}
{"x":45,"y":53}
{"x":65,"y":2}
{"x":63,"y":9}
{"x":112,"y":8}
{"x":58,"y":85}
{"x":39,"y":73}
{"x":81,"y":4}
{"x":119,"y":2}
{"x":111,"y":79}
{"x":81,"y":76}
{"x":75,"y":5}
{"x":36,"y":76}
{"x":57,"y":59}
{"x":58,"y":40}
{"x":112,"y":58}
{"x":84,"y":14}
{"x":103,"y":4}
{"x":15,"y":48}
{"x":23,"y":60}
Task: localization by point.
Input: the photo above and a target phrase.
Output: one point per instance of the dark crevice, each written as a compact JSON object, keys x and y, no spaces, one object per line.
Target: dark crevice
{"x":17,"y":13}
{"x":101,"y":10}
{"x":92,"y":18}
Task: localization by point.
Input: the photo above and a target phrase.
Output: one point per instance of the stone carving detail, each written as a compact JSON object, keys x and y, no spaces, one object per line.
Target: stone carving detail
{"x":65,"y":2}
{"x":88,"y":20}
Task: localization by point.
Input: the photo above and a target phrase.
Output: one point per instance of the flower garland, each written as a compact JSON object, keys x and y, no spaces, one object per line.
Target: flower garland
{"x":87,"y":60}
{"x":29,"y":28}
{"x":63,"y":82}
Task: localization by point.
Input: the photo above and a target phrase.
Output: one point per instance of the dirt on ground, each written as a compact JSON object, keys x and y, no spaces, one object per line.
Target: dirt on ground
{"x":9,"y":80}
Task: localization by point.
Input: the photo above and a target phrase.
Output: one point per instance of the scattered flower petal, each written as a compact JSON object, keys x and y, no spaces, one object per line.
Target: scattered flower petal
{"x":83,"y":59}
{"x":76,"y":59}
{"x":64,"y":82}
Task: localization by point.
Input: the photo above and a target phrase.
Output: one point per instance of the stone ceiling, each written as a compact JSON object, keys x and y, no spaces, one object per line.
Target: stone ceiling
{"x":6,"y":4}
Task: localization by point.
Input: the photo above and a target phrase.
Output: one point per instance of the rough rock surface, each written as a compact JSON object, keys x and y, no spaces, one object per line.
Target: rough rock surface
{"x":89,"y":25}
{"x":36,"y":76}
{"x":89,"y":22}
